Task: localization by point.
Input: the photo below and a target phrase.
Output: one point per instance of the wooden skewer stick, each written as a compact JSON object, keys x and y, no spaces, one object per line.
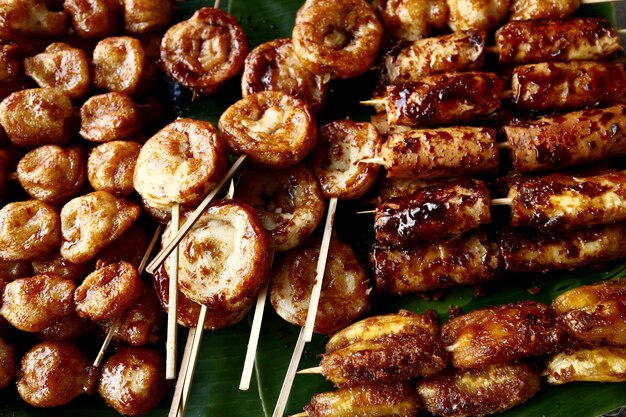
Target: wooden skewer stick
{"x":289,"y":377}
{"x":315,"y":370}
{"x":169,"y":247}
{"x":116,"y":323}
{"x":172,"y":311}
{"x":302,"y":414}
{"x":319,"y":272}
{"x":176,"y":401}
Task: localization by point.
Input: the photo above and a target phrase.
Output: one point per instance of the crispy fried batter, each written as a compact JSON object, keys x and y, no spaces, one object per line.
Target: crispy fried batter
{"x":110,"y":116}
{"x":118,"y":64}
{"x":410,"y":20}
{"x":599,"y":364}
{"x":94,"y":19}
{"x":476,"y":15}
{"x":111,"y":167}
{"x":142,"y":16}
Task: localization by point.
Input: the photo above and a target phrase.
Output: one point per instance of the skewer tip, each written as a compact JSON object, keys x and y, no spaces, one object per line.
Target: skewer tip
{"x":302,"y":414}
{"x":314,"y":370}
{"x":373,"y":102}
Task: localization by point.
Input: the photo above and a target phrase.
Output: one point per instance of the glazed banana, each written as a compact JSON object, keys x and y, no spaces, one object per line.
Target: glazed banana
{"x":601,"y":364}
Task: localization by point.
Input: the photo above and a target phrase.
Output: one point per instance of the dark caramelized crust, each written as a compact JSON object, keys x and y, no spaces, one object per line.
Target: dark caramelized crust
{"x":440,"y":153}
{"x":562,"y":202}
{"x":367,"y":400}
{"x":567,"y":86}
{"x":501,"y":334}
{"x":559,"y":141}
{"x":93,"y":18}
{"x":443,"y":99}
{"x":569,"y":39}
{"x":478,"y":392}
{"x":526,"y":251}
{"x":595,"y":313}
{"x":440,"y":211}
{"x":542,"y":9}
{"x":466,"y":260}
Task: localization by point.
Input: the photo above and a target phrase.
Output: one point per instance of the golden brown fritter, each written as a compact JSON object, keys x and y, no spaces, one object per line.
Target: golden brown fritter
{"x":410,"y":20}
{"x":93,"y":19}
{"x":52,"y":174}
{"x":599,"y":364}
{"x":501,"y":334}
{"x":141,"y":16}
{"x":345,"y":285}
{"x":477,"y":15}
{"x":111,"y":167}
{"x":8,"y":363}
{"x":34,"y":303}
{"x":118,"y":64}
{"x":110,"y":116}
{"x":30,"y":17}
{"x":28,"y":230}
{"x":541,"y":9}
{"x":132,"y":381}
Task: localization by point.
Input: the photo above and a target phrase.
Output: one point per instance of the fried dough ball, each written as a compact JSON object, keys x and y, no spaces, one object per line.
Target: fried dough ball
{"x":58,"y":265}
{"x":141,"y":16}
{"x":10,"y":60}
{"x":345,"y":286}
{"x":30,"y":17}
{"x":410,"y":20}
{"x":60,"y":66}
{"x":52,"y":174}
{"x":8,"y":363}
{"x":132,"y":381}
{"x":111,"y":167}
{"x":275,"y":66}
{"x":110,"y":116}
{"x":93,"y":19}
{"x":69,"y":328}
{"x":36,"y":117}
{"x":477,"y":15}
{"x":180,"y":163}
{"x":272,"y":128}
{"x":289,"y":203}
{"x":107,"y":291}
{"x":28,"y":230}
{"x":335,"y":159}
{"x":338,"y":38}
{"x":118,"y":64}
{"x":205,"y":51}
{"x":34,"y":303}
{"x":91,"y":222}
{"x":53,"y":374}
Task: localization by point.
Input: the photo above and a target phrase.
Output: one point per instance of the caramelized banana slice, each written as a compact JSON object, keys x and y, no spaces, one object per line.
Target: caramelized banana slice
{"x":111,"y":167}
{"x":270,"y":127}
{"x":367,"y":400}
{"x":118,"y":64}
{"x":410,"y":20}
{"x":478,"y":392}
{"x":600,"y":364}
{"x":595,"y":313}
{"x":110,"y":116}
{"x":30,"y":17}
{"x":95,"y":19}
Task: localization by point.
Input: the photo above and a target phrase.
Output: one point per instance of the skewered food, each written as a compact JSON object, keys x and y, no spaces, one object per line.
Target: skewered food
{"x":8,"y":363}
{"x":57,"y":265}
{"x":132,"y":381}
{"x":560,"y":141}
{"x":36,"y":117}
{"x":275,"y":66}
{"x":289,"y":203}
{"x":600,"y":364}
{"x":34,"y":303}
{"x":30,"y":17}
{"x":110,"y":116}
{"x":272,"y":128}
{"x":545,"y":40}
{"x":94,"y":19}
{"x":337,"y":38}
{"x":53,"y":374}
{"x":367,"y":400}
{"x":345,"y":286}
{"x":410,"y":20}
{"x":541,"y":9}
{"x":389,"y":188}
{"x":478,"y":392}
{"x":118,"y":64}
{"x":28,"y":230}
{"x":466,"y":260}
{"x":52,"y":174}
{"x":525,"y":250}
{"x":477,"y":15}
{"x":205,"y":51}
{"x":594,"y":313}
{"x":142,"y":16}
{"x":442,"y":210}
{"x":440,"y":153}
{"x":500,"y":334}
{"x":111,"y":167}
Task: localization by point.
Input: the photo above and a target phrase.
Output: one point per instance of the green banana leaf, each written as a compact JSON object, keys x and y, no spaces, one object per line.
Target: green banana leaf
{"x":215,"y":392}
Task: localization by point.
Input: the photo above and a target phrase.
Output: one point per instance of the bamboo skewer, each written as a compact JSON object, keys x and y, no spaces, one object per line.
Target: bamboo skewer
{"x":172,"y":312}
{"x":177,"y":400}
{"x":302,"y":414}
{"x":289,"y":377}
{"x":315,"y":370}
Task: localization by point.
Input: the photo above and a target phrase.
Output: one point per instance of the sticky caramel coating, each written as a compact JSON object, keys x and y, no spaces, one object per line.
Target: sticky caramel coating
{"x":477,"y":15}
{"x":205,"y":51}
{"x":541,"y":9}
{"x":289,"y":203}
{"x":111,"y":167}
{"x":132,"y":381}
{"x":10,"y":60}
{"x":52,"y":174}
{"x":142,"y":16}
{"x":91,"y":222}
{"x":110,"y":116}
{"x":56,"y":264}
{"x":595,"y":313}
{"x":272,"y":128}
{"x":60,"y":66}
{"x":600,"y":364}
{"x":500,"y":334}
{"x":478,"y":392}
{"x":180,"y":163}
{"x":28,"y":230}
{"x":34,"y":303}
{"x":367,"y":400}
{"x":36,"y":117}
{"x":275,"y":66}
{"x":118,"y":64}
{"x":30,"y":17}
{"x":93,"y":19}
{"x":335,"y":158}
{"x":53,"y":374}
{"x":107,"y":291}
{"x":69,"y":328}
{"x":410,"y":20}
{"x":8,"y":363}
{"x":345,"y":286}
